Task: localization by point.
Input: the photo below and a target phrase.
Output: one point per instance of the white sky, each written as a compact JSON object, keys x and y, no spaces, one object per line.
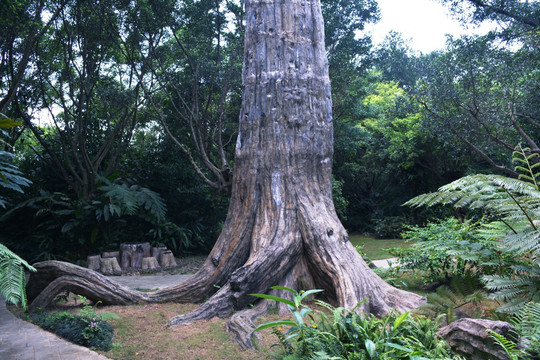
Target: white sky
{"x":424,"y":22}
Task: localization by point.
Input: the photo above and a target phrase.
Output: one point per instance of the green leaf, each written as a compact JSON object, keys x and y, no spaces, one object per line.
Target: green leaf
{"x":400,"y":319}
{"x":6,"y":123}
{"x":370,"y":347}
{"x":284,"y":288}
{"x":275,"y":298}
{"x":275,"y":323}
{"x":399,"y":347}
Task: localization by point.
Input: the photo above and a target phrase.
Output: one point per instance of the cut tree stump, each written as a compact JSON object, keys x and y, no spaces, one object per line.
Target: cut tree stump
{"x":131,"y":255}
{"x":109,"y":266}
{"x":156,"y":251}
{"x":167,"y":259}
{"x":150,"y":263}
{"x":109,"y":254}
{"x":93,"y":262}
{"x":470,"y":338}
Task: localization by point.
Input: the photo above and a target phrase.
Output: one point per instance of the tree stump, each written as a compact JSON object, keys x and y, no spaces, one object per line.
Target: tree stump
{"x":150,"y":263}
{"x":131,"y":255}
{"x":109,"y":266}
{"x":93,"y":262}
{"x":470,"y":338}
{"x":167,"y":259}
{"x":109,"y":254}
{"x":156,"y":251}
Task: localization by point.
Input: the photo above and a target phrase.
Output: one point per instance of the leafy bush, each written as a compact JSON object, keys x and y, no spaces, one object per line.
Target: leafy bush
{"x":87,"y":329}
{"x":59,"y":226}
{"x":344,"y":334}
{"x":512,"y":207}
{"x":389,"y":227}
{"x":450,"y":248}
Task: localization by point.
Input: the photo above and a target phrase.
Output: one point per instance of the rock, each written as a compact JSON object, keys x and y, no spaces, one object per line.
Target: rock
{"x":131,"y":255}
{"x":167,"y":259}
{"x":150,"y":263}
{"x":93,"y":262}
{"x":109,"y":266}
{"x":470,"y":338}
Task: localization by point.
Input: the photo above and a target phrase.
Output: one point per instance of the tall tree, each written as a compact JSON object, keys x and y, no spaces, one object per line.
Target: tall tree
{"x":281,"y":228}
{"x":92,"y":97}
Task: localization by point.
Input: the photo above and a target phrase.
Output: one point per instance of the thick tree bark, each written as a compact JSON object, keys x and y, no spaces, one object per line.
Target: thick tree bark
{"x":282,"y":228}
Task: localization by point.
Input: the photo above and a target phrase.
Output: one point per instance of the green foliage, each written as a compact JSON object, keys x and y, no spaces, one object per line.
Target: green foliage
{"x":512,"y":211}
{"x":12,"y":277}
{"x":338,"y":333}
{"x":60,"y":226}
{"x":10,"y":176}
{"x":447,"y":303}
{"x":389,"y":227}
{"x":450,"y":248}
{"x":87,"y":328}
{"x":527,"y":325}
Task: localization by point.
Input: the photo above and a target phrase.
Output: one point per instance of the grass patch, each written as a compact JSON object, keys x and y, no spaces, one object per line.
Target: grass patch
{"x":376,"y":249}
{"x":142,"y":333}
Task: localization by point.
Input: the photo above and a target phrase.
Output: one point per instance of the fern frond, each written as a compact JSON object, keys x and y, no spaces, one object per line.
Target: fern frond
{"x":12,"y":277}
{"x":150,"y":201}
{"x":508,"y":346}
{"x":121,"y":195}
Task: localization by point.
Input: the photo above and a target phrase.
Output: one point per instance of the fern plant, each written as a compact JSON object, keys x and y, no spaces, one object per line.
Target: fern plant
{"x":448,"y":303}
{"x":10,"y":176}
{"x":527,"y":325}
{"x":512,"y":209}
{"x":12,"y":278}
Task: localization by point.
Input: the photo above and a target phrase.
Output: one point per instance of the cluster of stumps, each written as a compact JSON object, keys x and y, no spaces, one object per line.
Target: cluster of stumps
{"x":130,"y":258}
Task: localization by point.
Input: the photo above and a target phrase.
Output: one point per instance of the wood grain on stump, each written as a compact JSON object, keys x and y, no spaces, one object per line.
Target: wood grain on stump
{"x":131,"y":255}
{"x":93,"y":262}
{"x":110,"y":266}
{"x":150,"y":263}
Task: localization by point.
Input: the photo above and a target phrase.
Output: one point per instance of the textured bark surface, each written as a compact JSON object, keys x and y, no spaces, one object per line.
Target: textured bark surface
{"x":93,"y":262}
{"x":469,"y":337}
{"x":282,"y":228}
{"x":109,"y":266}
{"x":166,"y":259}
{"x":131,"y":255}
{"x":150,"y":263}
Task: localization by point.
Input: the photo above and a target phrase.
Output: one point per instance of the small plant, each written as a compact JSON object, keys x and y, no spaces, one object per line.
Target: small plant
{"x":341,"y":334}
{"x":298,"y":310}
{"x":527,"y":325}
{"x":87,"y":329}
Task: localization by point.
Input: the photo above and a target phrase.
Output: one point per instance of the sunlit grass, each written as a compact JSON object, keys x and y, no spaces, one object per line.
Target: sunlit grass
{"x":376,"y":249}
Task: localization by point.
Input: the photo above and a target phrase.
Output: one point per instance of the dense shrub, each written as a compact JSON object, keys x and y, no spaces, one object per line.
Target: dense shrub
{"x":90,"y":332}
{"x":342,"y":334}
{"x":87,"y":329}
{"x":450,"y":248}
{"x":389,"y":227}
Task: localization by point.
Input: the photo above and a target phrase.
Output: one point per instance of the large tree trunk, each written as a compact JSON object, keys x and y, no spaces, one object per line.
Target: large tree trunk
{"x":282,"y":228}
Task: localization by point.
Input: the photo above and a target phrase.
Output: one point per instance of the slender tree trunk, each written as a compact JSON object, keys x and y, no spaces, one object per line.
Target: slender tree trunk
{"x":282,"y":228}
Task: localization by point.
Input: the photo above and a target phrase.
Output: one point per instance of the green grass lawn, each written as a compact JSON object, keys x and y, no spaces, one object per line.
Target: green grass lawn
{"x":376,"y":248}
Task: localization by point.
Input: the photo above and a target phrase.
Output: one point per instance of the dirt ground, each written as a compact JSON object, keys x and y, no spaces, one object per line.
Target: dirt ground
{"x":142,"y":333}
